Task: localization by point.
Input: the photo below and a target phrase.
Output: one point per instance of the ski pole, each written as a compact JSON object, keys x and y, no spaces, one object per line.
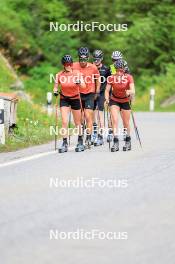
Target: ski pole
{"x":56,"y":121}
{"x":104,"y":117}
{"x":135,"y":126}
{"x":69,"y":125}
{"x":82,"y":111}
{"x":108,"y":126}
{"x":99,"y":121}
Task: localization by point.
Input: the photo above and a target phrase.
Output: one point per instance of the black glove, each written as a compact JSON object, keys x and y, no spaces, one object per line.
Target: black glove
{"x":55,"y":94}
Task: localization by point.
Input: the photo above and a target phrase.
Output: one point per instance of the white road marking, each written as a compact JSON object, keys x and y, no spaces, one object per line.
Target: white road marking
{"x":36,"y":156}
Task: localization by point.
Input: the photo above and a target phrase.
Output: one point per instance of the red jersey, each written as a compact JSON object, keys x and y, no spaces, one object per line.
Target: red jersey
{"x":67,"y":82}
{"x":89,"y":73}
{"x":120,"y":83}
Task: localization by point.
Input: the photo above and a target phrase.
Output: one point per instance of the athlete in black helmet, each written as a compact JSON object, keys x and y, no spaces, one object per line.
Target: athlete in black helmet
{"x":99,"y":102}
{"x":91,"y":77}
{"x":69,"y":81}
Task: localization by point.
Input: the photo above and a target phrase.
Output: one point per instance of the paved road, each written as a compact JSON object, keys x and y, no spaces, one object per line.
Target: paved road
{"x":143,"y":210}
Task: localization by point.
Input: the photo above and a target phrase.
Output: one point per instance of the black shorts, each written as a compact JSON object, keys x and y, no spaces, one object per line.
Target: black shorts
{"x":87,"y":101}
{"x":99,"y":103}
{"x":68,"y":102}
{"x":124,"y":106}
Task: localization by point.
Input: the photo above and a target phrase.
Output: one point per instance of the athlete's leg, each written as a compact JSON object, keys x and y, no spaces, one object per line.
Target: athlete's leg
{"x":64,"y":117}
{"x":126,"y":120}
{"x":115,"y":118}
{"x":77,"y":119}
{"x":89,"y":120}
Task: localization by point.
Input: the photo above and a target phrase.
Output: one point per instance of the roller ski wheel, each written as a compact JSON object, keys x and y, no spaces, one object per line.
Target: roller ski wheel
{"x":63,"y":148}
{"x":115,"y":147}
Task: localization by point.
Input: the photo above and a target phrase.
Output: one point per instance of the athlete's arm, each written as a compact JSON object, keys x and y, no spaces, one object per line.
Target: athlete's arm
{"x":55,"y":89}
{"x":97,"y":85}
{"x":82,"y":83}
{"x":131,"y":90}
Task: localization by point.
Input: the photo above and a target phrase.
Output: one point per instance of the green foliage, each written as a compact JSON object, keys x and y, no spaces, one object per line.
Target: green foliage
{"x":148,"y":45}
{"x":6,"y":76}
{"x":38,"y":81}
{"x":164,"y":85}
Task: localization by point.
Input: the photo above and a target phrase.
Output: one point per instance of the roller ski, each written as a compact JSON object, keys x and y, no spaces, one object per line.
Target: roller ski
{"x":80,"y":147}
{"x":127,"y":146}
{"x":115,"y":146}
{"x":64,"y":147}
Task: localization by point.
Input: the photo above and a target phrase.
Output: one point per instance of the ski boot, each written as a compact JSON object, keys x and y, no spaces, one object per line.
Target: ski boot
{"x":64,"y":147}
{"x":115,"y":146}
{"x":93,"y":138}
{"x":88,"y":142}
{"x":124,"y":133}
{"x":80,"y":147}
{"x":127,"y":146}
{"x":94,"y":135}
{"x":99,"y":141}
{"x":109,"y":137}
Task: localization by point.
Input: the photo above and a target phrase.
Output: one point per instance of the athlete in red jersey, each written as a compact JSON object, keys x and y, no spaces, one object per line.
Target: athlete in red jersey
{"x":70,"y":82}
{"x":91,"y":77}
{"x":122,"y":92}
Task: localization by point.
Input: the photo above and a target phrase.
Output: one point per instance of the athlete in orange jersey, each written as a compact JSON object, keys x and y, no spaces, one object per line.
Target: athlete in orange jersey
{"x":91,"y":77}
{"x":122,"y":92}
{"x":70,"y":82}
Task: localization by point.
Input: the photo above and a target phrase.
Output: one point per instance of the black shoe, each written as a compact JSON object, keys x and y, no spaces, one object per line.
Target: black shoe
{"x":127,"y":146}
{"x":64,"y":147}
{"x":115,"y":146}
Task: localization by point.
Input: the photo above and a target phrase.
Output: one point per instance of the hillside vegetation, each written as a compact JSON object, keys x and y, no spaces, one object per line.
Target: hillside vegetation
{"x":34,"y":52}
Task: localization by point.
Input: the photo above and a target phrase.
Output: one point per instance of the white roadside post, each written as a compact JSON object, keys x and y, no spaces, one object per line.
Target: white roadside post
{"x":49,"y":103}
{"x":2,"y":127}
{"x":152,"y":99}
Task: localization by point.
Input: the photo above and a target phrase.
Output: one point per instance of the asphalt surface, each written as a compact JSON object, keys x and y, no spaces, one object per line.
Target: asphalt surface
{"x":142,"y":211}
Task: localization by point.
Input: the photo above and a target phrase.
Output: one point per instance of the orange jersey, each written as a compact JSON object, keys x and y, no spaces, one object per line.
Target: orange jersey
{"x":89,"y":73}
{"x":67,"y":80}
{"x":120,"y":83}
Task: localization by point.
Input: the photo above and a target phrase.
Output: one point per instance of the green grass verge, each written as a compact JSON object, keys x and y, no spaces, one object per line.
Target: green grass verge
{"x":33,"y":128}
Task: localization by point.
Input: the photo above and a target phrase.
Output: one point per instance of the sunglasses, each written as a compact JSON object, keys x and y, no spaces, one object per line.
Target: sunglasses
{"x":83,"y":59}
{"x":96,"y":60}
{"x":67,"y":64}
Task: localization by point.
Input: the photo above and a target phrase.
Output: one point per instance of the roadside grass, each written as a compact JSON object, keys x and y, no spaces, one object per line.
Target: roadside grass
{"x":33,"y":128}
{"x":6,"y":77}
